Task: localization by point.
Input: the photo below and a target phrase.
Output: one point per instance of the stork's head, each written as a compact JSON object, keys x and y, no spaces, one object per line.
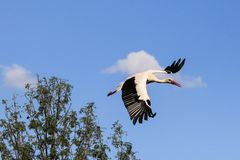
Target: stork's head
{"x":171,"y":81}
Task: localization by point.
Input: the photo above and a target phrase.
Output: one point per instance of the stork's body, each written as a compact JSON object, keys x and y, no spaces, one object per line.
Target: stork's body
{"x":134,"y":91}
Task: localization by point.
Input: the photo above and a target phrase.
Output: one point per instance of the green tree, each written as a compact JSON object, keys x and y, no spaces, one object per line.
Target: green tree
{"x":124,"y":149}
{"x":45,"y":127}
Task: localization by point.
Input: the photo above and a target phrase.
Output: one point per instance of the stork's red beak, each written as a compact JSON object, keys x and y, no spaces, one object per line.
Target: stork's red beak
{"x":175,"y":83}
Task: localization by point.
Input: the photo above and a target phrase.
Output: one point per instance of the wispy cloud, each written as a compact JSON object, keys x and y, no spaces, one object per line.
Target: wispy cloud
{"x":190,"y":81}
{"x":142,"y":61}
{"x":16,"y":76}
{"x":133,"y":63}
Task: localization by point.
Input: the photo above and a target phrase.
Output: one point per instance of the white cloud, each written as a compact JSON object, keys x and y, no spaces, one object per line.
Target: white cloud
{"x":190,"y":81}
{"x":17,"y":76}
{"x":133,"y":63}
{"x":142,"y":61}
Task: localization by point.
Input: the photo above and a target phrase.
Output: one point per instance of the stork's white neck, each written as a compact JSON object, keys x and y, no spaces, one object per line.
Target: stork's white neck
{"x":152,"y":78}
{"x":161,"y":80}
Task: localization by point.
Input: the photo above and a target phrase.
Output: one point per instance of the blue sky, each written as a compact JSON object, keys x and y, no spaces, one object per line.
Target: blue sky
{"x":77,"y":40}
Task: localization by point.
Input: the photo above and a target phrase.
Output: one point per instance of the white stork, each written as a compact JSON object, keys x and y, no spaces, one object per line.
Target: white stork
{"x":134,"y":91}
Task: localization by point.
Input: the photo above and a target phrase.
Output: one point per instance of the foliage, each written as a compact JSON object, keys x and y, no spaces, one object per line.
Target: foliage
{"x":124,"y":149}
{"x":45,"y":127}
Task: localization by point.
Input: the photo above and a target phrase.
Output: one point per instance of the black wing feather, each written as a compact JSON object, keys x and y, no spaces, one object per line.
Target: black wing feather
{"x":137,"y":109}
{"x":175,"y":66}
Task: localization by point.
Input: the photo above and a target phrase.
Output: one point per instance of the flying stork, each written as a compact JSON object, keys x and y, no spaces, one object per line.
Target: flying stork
{"x":134,"y":91}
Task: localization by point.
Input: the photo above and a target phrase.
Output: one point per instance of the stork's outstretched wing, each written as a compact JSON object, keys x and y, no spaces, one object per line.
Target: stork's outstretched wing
{"x":175,"y":67}
{"x":138,"y":108}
